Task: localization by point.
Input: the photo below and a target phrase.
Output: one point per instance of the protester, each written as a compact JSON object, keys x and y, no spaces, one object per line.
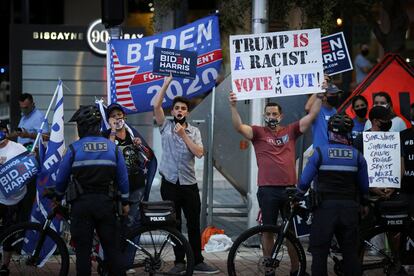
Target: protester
{"x":94,"y":164}
{"x":329,"y":102}
{"x":380,"y":117}
{"x":11,"y":207}
{"x":382,"y":98}
{"x":360,"y":108}
{"x":342,"y":179}
{"x":181,"y":142}
{"x":30,"y":122}
{"x":407,"y":149}
{"x":362,"y":64}
{"x":139,"y":159}
{"x":274,"y":145}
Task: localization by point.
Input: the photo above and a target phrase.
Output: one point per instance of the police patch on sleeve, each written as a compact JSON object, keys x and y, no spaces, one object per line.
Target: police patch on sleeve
{"x":340,"y":153}
{"x":95,"y":146}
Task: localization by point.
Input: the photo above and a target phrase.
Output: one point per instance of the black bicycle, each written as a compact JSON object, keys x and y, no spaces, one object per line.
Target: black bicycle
{"x":154,"y":246}
{"x":381,"y":248}
{"x":267,"y":249}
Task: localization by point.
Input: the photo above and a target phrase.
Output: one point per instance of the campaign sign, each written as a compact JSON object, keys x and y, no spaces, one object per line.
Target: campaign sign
{"x":16,"y":173}
{"x":276,"y":64}
{"x":302,"y":225}
{"x":335,"y":54}
{"x":382,"y":152}
{"x":177,"y":62}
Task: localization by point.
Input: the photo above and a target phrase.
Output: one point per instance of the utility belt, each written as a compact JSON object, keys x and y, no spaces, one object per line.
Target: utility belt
{"x":75,"y":190}
{"x":316,"y":198}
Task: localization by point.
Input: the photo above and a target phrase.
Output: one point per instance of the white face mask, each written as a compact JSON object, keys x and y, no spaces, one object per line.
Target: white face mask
{"x":119,"y":124}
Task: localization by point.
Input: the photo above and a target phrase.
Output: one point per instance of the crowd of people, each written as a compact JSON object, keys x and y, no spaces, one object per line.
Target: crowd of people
{"x":120,"y":159}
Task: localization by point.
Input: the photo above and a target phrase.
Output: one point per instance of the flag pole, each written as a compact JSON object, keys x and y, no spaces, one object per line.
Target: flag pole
{"x":39,"y":132}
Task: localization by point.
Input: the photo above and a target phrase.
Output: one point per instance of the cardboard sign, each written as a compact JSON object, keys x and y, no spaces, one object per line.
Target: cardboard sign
{"x":382,"y":152}
{"x":177,"y":62}
{"x":16,"y":173}
{"x":276,"y":64}
{"x":335,"y":54}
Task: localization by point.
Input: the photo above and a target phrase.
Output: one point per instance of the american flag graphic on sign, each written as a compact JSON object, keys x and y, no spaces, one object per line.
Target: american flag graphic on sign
{"x":121,"y":77}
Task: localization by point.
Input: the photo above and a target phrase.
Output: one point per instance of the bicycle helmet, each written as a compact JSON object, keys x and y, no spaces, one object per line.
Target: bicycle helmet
{"x":87,"y":115}
{"x":340,"y":124}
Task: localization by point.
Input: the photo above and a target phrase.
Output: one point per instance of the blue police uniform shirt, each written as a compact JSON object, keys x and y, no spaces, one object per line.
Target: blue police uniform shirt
{"x":320,"y":126}
{"x":96,"y":160}
{"x":31,"y":123}
{"x":336,"y":158}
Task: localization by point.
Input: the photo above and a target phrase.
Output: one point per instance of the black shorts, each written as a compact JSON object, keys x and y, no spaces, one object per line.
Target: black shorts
{"x":271,"y":200}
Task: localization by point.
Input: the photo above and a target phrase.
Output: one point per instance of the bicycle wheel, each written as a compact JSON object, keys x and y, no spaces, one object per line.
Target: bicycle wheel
{"x":155,"y":250}
{"x":246,"y":255}
{"x":377,"y":253}
{"x":14,"y":242}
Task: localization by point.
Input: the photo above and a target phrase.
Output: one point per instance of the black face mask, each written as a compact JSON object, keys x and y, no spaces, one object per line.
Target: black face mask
{"x":180,"y":121}
{"x":362,"y":112}
{"x":385,"y":126}
{"x":332,"y":100}
{"x":272,"y":123}
{"x":365,"y":52}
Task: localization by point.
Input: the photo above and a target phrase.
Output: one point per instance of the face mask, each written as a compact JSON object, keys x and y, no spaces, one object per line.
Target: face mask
{"x":385,"y":126}
{"x":26,"y":111}
{"x":362,"y":112}
{"x":383,"y":105}
{"x":180,"y":121}
{"x":2,"y":135}
{"x":120,"y":124}
{"x":365,"y":52}
{"x":272,"y":123}
{"x":332,"y":100}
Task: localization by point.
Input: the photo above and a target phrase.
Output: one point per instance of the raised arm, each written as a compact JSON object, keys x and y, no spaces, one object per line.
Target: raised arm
{"x":243,"y":129}
{"x":158,"y":111}
{"x":308,"y":119}
{"x":310,"y":102}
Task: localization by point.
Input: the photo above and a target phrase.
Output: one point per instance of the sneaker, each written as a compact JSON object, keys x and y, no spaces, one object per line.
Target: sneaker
{"x":4,"y":271}
{"x":130,"y":271}
{"x":205,"y":269}
{"x":179,"y":268}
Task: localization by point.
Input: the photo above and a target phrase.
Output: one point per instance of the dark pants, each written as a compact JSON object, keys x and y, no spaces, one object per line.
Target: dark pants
{"x":186,"y":198}
{"x":271,"y":200}
{"x":90,"y":212}
{"x":339,"y":218}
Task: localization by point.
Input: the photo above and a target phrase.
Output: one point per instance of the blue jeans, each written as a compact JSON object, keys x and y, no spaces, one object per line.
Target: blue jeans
{"x":133,"y":221}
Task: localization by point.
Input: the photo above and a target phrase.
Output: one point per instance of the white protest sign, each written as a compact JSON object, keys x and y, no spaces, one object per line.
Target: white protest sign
{"x":382,"y":152}
{"x":276,"y":64}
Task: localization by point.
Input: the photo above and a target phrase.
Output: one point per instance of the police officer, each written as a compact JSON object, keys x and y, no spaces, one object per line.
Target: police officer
{"x":94,"y":165}
{"x":342,"y":180}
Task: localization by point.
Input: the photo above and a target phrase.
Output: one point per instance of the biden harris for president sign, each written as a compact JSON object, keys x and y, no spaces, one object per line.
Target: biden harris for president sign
{"x":177,"y":62}
{"x":335,"y":54}
{"x":16,"y":173}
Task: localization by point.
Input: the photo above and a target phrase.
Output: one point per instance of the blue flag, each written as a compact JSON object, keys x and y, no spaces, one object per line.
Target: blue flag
{"x":130,"y":65}
{"x":49,"y":163}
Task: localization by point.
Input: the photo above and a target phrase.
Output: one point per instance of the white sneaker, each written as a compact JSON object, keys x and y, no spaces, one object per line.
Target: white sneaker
{"x":130,"y":271}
